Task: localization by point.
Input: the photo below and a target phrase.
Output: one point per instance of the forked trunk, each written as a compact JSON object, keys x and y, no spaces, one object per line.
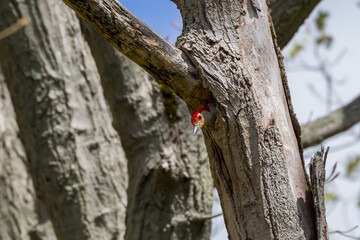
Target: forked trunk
{"x":253,"y":148}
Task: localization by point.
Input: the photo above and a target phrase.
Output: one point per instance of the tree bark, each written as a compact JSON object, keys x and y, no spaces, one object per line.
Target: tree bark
{"x":336,"y":122}
{"x":169,"y":174}
{"x":288,"y":16}
{"x":139,"y":43}
{"x":21,"y":213}
{"x":318,"y":180}
{"x":256,"y":124}
{"x":17,"y":196}
{"x":253,"y":145}
{"x":159,"y":58}
{"x":75,"y":156}
{"x":253,"y":148}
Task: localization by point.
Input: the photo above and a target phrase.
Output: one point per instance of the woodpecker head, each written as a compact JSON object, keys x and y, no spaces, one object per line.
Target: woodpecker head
{"x":201,"y":116}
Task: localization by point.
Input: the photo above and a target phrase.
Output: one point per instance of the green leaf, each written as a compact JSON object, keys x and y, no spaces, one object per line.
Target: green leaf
{"x":295,"y":50}
{"x":352,"y":165}
{"x":329,"y":196}
{"x":324,"y":39}
{"x":358,"y":203}
{"x":320,"y":20}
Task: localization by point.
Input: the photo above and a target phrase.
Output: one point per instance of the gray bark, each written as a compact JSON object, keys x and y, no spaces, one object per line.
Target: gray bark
{"x":166,"y":63}
{"x":170,"y":186}
{"x":180,"y":217}
{"x":253,"y":148}
{"x":17,"y":196}
{"x":317,"y":177}
{"x":253,"y":145}
{"x":22,"y":215}
{"x":75,"y":156}
{"x":146,"y":48}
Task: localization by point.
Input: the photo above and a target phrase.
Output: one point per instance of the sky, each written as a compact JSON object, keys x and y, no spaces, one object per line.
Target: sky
{"x":344,"y":25}
{"x":343,"y":22}
{"x":157,"y":14}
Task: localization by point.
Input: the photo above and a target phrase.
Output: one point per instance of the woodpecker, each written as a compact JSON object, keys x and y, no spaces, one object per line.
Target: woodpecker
{"x":202,"y":116}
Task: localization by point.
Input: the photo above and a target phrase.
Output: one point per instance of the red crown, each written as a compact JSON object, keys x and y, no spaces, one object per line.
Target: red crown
{"x":199,"y":111}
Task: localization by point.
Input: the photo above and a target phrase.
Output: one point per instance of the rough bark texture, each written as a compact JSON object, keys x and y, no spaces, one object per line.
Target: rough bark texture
{"x":17,"y":196}
{"x":170,"y":186}
{"x":21,"y":214}
{"x":253,"y":149}
{"x":75,"y":156}
{"x":336,"y":122}
{"x":258,"y":176}
{"x":164,"y":62}
{"x":288,"y":16}
{"x":317,"y":176}
{"x":134,"y":39}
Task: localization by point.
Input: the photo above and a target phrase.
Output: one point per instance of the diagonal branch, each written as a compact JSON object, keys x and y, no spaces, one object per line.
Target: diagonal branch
{"x":167,"y":64}
{"x":288,"y":16}
{"x":336,"y":122}
{"x":171,"y":67}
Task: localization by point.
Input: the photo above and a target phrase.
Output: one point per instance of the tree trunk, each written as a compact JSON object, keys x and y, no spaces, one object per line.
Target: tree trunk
{"x":21,"y":214}
{"x":253,"y":148}
{"x":170,"y":186}
{"x":75,"y":157}
{"x":254,"y":144}
{"x":64,"y":124}
{"x":17,"y":196}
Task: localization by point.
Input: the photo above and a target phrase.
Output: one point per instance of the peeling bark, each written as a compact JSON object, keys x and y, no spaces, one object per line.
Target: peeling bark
{"x":167,"y":64}
{"x":170,"y":186}
{"x":317,"y":176}
{"x":75,"y":156}
{"x":164,"y":62}
{"x":74,"y":153}
{"x":253,"y":148}
{"x":253,"y":145}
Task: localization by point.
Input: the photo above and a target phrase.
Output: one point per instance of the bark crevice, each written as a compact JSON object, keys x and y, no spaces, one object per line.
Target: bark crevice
{"x":75,"y":157}
{"x":169,"y":175}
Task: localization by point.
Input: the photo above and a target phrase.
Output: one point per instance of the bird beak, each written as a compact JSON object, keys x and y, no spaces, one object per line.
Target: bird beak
{"x":196,"y":128}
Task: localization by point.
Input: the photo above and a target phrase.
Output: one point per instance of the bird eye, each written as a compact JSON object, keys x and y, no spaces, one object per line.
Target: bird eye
{"x":200,"y":117}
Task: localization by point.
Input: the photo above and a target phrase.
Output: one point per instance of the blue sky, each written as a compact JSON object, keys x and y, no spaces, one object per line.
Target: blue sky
{"x":157,"y":14}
